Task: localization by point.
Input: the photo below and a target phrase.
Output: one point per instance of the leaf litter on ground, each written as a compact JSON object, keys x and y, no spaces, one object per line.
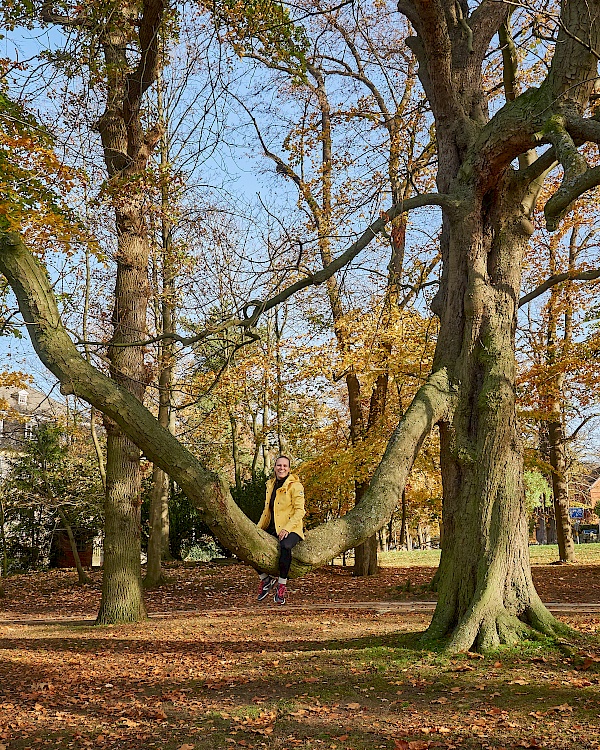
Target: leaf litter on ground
{"x":263,"y":677}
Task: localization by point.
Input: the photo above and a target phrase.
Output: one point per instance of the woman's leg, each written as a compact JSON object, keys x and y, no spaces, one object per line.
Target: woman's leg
{"x":285,"y":555}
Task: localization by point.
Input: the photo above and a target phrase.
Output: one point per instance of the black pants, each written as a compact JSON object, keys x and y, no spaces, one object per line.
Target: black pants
{"x":285,"y":552}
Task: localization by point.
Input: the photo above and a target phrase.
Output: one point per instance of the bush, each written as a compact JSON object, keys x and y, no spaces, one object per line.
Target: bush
{"x":251,"y":498}
{"x":204,"y":551}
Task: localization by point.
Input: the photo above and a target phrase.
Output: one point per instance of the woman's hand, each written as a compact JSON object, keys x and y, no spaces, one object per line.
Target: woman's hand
{"x":282,"y":534}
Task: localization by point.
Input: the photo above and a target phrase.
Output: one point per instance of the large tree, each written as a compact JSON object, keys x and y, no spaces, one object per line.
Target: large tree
{"x":119,"y":43}
{"x":488,"y":184}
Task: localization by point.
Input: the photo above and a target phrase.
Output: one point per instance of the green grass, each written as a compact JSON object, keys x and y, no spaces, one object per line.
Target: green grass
{"x":540,"y":554}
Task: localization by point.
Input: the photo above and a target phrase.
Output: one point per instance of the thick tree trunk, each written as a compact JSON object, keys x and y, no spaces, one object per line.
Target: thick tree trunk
{"x":122,"y":592}
{"x":485,"y":590}
{"x":486,"y":594}
{"x":365,"y":558}
{"x":127,"y":148}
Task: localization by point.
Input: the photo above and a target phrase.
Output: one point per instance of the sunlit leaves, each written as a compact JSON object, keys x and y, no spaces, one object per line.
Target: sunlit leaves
{"x":263,"y":27}
{"x":34,"y":183}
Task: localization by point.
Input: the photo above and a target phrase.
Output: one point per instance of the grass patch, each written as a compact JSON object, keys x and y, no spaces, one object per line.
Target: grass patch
{"x":539,"y":554}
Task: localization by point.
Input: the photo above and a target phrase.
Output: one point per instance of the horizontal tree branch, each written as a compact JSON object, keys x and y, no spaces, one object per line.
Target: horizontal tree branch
{"x":205,"y":489}
{"x":557,"y":279}
{"x":568,"y":192}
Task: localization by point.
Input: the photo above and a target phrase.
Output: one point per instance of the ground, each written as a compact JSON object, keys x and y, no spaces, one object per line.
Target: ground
{"x":214,"y":669}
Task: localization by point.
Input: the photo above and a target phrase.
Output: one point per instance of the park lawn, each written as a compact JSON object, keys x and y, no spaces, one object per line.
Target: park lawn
{"x":285,"y":679}
{"x":539,"y":554}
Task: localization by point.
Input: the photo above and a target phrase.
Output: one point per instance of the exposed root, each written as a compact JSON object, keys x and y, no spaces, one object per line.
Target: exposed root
{"x":544,"y":622}
{"x":488,"y":630}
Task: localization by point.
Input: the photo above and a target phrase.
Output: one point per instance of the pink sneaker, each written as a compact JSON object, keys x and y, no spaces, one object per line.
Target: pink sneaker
{"x":280,"y":593}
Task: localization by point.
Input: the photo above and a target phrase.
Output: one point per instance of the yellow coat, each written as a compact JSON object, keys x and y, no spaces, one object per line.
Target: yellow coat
{"x":288,"y":506}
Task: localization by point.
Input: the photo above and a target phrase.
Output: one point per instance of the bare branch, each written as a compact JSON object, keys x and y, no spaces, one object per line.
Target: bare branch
{"x":254,"y":309}
{"x":557,"y":279}
{"x":587,"y":419}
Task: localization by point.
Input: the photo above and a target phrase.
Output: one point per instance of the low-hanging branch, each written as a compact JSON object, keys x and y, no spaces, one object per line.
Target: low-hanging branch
{"x":205,"y":489}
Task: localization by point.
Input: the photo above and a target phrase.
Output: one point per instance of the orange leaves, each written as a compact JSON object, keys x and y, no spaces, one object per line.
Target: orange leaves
{"x":34,"y":183}
{"x":412,"y":745}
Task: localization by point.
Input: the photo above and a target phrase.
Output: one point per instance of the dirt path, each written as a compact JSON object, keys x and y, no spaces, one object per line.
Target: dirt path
{"x":383,"y":607}
{"x":54,"y":596}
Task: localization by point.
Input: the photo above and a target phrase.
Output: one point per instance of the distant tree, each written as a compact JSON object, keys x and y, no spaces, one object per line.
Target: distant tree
{"x":52,"y":481}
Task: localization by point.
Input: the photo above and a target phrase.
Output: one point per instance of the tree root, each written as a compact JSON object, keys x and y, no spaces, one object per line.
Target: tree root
{"x":487,"y":628}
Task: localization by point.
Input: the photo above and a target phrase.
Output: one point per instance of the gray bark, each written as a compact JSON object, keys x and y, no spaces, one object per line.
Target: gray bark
{"x":486,"y":594}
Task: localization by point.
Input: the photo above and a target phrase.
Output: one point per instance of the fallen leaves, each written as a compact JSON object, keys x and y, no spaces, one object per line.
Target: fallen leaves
{"x":218,"y":681}
{"x":414,"y":745}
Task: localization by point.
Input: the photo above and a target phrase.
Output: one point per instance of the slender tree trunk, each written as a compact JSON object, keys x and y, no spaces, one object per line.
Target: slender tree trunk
{"x":158,"y":543}
{"x":403,"y":530}
{"x":560,"y":490}
{"x":555,"y":429}
{"x":257,"y":445}
{"x":159,"y":520}
{"x":97,"y":448}
{"x":83,"y":576}
{"x":235,"y":453}
{"x":4,"y":569}
{"x":84,"y":330}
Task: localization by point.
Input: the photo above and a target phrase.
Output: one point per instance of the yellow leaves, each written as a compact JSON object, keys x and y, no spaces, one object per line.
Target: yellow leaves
{"x":34,"y":183}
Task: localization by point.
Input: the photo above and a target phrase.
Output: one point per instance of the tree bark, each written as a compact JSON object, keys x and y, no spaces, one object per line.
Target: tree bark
{"x":158,"y":543}
{"x":122,"y":592}
{"x":486,"y":594}
{"x":4,"y":568}
{"x":127,"y":148}
{"x":485,"y":590}
{"x":555,"y":427}
{"x":159,"y":528}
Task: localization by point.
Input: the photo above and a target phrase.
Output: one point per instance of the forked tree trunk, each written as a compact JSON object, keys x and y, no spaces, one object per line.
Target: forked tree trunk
{"x":487,"y":162}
